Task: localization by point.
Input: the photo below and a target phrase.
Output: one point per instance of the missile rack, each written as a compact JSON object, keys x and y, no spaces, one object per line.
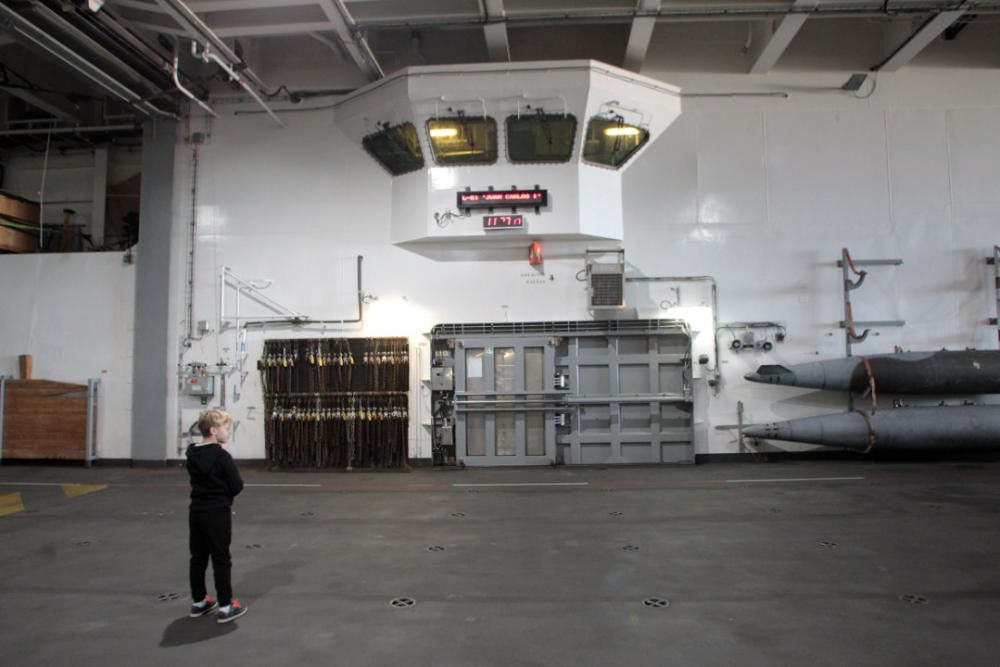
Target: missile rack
{"x":336,"y":403}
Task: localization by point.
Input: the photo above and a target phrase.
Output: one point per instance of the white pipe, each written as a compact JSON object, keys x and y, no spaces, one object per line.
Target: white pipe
{"x":207,"y":55}
{"x":188,"y":93}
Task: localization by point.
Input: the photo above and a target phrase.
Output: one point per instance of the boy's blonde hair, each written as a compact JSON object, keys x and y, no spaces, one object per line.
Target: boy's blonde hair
{"x":210,"y":418}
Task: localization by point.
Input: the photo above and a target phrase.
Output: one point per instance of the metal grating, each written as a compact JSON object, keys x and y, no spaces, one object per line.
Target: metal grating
{"x":602,"y":327}
{"x":607,"y":290}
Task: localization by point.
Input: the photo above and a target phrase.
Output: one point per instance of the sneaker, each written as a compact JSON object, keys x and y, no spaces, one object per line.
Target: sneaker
{"x":230,"y":612}
{"x":203,"y":607}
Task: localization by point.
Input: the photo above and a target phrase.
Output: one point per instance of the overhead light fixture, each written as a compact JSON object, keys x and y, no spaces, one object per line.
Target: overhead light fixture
{"x":621,"y":131}
{"x":444,"y":132}
{"x":854,"y":83}
{"x":95,"y":5}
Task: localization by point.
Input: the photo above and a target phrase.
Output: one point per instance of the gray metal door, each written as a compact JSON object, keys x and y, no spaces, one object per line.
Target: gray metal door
{"x":503,"y":397}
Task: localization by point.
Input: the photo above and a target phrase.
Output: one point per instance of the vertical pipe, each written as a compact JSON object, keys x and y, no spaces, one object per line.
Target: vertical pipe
{"x":3,"y":396}
{"x":91,"y":406}
{"x":996,"y":284}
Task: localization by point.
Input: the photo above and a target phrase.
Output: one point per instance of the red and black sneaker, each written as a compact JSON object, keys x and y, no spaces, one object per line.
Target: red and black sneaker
{"x":230,"y":612}
{"x":203,"y":607}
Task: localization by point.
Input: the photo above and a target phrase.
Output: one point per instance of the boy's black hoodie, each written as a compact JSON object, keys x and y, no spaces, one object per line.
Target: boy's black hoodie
{"x":215,"y":481}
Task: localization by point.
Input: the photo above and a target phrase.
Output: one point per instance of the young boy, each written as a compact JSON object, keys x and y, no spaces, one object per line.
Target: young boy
{"x":215,"y":481}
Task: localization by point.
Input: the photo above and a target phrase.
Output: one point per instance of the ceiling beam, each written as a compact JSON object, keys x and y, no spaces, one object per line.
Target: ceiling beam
{"x":54,"y":108}
{"x":919,"y":40}
{"x":495,"y":31}
{"x":353,"y":40}
{"x":779,"y":35}
{"x":640,"y":33}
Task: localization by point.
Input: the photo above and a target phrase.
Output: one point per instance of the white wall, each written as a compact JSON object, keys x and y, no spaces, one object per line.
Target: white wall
{"x":74,"y":313}
{"x":759,"y":192}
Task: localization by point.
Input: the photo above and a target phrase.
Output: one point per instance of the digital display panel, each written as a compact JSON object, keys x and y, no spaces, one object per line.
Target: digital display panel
{"x":503,"y":199}
{"x":503,"y":222}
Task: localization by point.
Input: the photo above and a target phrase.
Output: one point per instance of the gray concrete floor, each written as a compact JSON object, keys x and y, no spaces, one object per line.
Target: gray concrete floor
{"x":778,"y":572}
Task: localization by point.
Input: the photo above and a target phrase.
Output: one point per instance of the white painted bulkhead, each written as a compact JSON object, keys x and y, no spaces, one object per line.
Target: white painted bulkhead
{"x":760,"y":193}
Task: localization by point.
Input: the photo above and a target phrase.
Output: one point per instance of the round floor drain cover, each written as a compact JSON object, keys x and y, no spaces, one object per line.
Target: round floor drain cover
{"x":83,"y":543}
{"x":402,"y":603}
{"x":306,"y":514}
{"x":656,"y":603}
{"x":164,"y":597}
{"x":253,"y":546}
{"x":458,"y":514}
{"x":828,"y":545}
{"x":436,"y":547}
{"x":914,"y":599}
{"x":630,"y":547}
{"x":616,"y":513}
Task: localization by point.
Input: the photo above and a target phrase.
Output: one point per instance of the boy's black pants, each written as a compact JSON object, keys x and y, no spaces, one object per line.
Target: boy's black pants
{"x":211,"y":532}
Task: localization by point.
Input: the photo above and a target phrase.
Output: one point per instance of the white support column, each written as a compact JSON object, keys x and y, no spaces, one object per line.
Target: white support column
{"x":640,"y":33}
{"x":100,"y":194}
{"x":919,"y":40}
{"x":495,"y":30}
{"x":775,"y":38}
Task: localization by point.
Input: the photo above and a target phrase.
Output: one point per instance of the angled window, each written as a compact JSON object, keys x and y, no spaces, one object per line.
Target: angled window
{"x":396,"y":148}
{"x":463,"y":140}
{"x":612,"y":141}
{"x":540,"y":137}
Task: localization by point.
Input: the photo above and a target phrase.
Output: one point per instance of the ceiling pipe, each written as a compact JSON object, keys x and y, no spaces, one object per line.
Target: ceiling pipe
{"x":197,"y":28}
{"x":206,"y":55}
{"x":86,"y":129}
{"x":734,"y":12}
{"x":26,"y":29}
{"x":188,"y":93}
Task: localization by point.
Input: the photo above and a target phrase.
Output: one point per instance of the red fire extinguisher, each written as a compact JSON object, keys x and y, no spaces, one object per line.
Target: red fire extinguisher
{"x":535,"y":254}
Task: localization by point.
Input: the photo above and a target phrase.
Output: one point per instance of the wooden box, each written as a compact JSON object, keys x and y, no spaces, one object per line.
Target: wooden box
{"x":45,"y":420}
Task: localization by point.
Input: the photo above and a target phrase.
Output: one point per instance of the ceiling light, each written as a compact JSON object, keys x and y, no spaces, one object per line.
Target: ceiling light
{"x":444,"y":132}
{"x":621,"y":131}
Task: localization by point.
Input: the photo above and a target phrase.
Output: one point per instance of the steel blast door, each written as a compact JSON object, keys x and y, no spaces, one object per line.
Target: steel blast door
{"x":501,"y":387}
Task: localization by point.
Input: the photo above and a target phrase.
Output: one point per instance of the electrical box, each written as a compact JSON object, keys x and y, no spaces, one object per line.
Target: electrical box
{"x":442,"y":378}
{"x":198,"y":383}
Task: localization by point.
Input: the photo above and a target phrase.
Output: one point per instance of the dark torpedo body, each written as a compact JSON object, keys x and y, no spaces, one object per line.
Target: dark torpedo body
{"x":940,"y":373}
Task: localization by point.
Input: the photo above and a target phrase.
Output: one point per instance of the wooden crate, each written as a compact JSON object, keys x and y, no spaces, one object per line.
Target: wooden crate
{"x":21,"y":212}
{"x":45,"y":420}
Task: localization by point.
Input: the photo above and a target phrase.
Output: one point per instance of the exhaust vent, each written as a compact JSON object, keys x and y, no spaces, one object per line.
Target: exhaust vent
{"x":605,"y":280}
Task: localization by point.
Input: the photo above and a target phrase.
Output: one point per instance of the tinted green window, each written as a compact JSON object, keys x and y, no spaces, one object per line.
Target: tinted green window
{"x":396,"y":148}
{"x":463,"y":140}
{"x":540,"y":137}
{"x":611,"y":141}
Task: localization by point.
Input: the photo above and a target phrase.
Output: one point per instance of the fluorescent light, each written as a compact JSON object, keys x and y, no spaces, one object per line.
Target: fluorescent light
{"x":444,"y":132}
{"x":621,"y":131}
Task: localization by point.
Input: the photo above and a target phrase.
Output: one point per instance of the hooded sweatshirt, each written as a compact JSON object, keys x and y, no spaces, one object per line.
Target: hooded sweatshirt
{"x":215,"y":481}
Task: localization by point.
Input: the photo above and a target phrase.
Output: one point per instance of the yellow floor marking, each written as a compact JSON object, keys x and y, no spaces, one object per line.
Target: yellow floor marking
{"x":11,"y":504}
{"x":74,"y":490}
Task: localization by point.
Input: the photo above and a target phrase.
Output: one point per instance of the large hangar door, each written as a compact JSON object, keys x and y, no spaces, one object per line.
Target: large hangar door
{"x":592,"y":392}
{"x":504,"y":401}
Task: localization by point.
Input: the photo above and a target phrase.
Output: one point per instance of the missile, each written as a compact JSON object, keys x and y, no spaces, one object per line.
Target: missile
{"x":895,"y":429}
{"x":944,"y":372}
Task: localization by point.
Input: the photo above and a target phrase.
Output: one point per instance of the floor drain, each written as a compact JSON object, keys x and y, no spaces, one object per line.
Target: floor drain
{"x":253,"y":546}
{"x":84,"y":543}
{"x":616,"y":513}
{"x":402,"y":603}
{"x":775,"y":510}
{"x":914,"y":599}
{"x":436,"y":547}
{"x":828,"y":545}
{"x":458,"y":514}
{"x":656,"y":603}
{"x":630,"y":547}
{"x":306,"y":514}
{"x":165,"y":597}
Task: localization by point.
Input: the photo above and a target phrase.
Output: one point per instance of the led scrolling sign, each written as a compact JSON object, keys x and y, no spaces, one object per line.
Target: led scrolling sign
{"x":512,"y":199}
